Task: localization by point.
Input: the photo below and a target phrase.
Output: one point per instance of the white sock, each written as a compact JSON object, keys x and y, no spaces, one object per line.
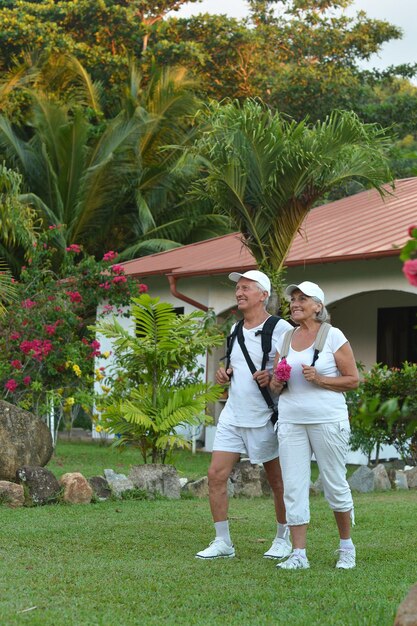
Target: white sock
{"x":222,"y":531}
{"x":300,"y":552}
{"x":346,"y":544}
{"x":282,"y":531}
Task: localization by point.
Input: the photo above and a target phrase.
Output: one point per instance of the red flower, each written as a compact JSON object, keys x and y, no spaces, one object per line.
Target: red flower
{"x":283,"y":370}
{"x":74,"y":296}
{"x":15,"y":335}
{"x":143,"y":288}
{"x":118,"y":269}
{"x":105,"y":285}
{"x":74,"y":247}
{"x":410,"y":271}
{"x":110,"y":256}
{"x":11,"y":385}
{"x":119,"y":279}
{"x":28,"y":304}
{"x":27,"y":380}
{"x":16,"y":364}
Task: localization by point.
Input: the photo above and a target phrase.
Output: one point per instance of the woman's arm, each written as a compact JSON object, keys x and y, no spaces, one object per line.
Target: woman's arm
{"x":345,"y":362}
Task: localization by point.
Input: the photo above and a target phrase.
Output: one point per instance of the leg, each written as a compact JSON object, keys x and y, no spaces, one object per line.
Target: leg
{"x":219,"y":471}
{"x":274,"y":476}
{"x":343,"y":523}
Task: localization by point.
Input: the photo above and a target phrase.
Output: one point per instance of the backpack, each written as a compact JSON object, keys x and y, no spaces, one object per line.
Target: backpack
{"x":318,"y":344}
{"x":266,"y":343}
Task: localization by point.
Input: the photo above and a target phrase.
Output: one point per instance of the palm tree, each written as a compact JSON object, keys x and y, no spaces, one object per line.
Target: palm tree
{"x":116,"y":187}
{"x":266,"y":172}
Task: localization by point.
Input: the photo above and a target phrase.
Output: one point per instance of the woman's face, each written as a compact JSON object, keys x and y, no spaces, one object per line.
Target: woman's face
{"x":303,"y":307}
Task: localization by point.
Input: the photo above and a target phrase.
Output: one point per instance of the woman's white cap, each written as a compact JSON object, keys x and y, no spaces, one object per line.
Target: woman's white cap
{"x":256,"y":275}
{"x":308,"y":288}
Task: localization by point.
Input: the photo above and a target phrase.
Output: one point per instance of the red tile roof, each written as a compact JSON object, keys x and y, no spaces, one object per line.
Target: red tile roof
{"x":363,"y":226}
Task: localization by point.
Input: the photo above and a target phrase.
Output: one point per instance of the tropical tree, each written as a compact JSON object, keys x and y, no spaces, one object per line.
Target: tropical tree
{"x":265,"y":172}
{"x":154,"y":384}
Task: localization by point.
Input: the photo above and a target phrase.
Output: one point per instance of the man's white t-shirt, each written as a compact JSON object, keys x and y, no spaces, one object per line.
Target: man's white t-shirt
{"x":246,"y":405}
{"x":306,"y":403}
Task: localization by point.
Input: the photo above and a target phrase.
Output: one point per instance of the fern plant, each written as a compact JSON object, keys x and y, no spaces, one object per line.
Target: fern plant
{"x":155,"y":382}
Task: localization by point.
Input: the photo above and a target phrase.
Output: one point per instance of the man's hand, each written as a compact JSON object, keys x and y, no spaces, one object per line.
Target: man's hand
{"x":262,"y":377}
{"x":223,"y":376}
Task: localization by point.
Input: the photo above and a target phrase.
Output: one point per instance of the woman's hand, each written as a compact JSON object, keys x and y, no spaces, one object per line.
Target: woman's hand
{"x":310,"y":374}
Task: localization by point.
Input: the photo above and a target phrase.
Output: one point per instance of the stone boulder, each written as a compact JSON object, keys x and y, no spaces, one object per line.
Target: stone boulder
{"x":118,"y":483}
{"x":155,"y":478}
{"x":362,"y":480}
{"x":398,"y":479}
{"x":76,"y":488}
{"x":197,"y":488}
{"x":381,"y":479}
{"x":407,"y":611}
{"x":41,"y":484}
{"x":11,"y":495}
{"x":24,"y":440}
{"x":412,"y":478}
{"x":246,"y":479}
{"x":100,"y":487}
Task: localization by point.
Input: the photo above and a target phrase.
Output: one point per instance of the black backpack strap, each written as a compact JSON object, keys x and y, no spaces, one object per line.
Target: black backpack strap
{"x":230,"y":341}
{"x":266,"y":337}
{"x":264,"y":390}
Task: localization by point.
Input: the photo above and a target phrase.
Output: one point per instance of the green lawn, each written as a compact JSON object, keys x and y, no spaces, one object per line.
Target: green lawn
{"x":132,"y":562}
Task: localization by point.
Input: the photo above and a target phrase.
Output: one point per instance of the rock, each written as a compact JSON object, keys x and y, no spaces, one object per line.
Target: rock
{"x":156,"y":478}
{"x":183,"y":482}
{"x":11,"y":495}
{"x":362,"y":480}
{"x":25,"y":440}
{"x":41,"y":484}
{"x":76,"y":488}
{"x":407,"y":611}
{"x":246,"y":479}
{"x":381,"y":480}
{"x":118,"y":483}
{"x":412,"y":478}
{"x":198,"y":488}
{"x":100,"y":487}
{"x":400,"y":480}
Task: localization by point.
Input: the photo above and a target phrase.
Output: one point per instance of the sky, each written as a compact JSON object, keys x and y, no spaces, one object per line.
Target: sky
{"x":401,"y":13}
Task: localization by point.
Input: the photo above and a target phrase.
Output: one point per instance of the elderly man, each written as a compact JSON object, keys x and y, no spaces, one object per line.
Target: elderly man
{"x":245,"y":425}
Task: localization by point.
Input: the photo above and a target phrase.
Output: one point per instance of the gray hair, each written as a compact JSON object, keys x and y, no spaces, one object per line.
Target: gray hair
{"x":322,"y":315}
{"x":263,"y":291}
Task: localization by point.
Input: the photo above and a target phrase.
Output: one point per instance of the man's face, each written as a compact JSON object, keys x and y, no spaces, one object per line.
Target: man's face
{"x":248,"y":295}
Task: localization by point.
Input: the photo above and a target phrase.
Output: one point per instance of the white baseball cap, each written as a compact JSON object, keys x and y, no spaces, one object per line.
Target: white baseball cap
{"x":308,"y":288}
{"x":256,"y":275}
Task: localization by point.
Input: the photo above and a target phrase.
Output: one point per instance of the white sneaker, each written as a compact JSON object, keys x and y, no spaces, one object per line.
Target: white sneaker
{"x":347,"y":558}
{"x":216,"y":550}
{"x":294,"y":561}
{"x":280,"y":549}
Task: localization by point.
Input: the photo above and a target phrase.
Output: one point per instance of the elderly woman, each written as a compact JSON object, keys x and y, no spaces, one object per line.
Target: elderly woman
{"x":313,"y":418}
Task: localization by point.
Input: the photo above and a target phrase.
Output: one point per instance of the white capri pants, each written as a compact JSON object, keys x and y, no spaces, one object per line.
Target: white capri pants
{"x":329,"y":442}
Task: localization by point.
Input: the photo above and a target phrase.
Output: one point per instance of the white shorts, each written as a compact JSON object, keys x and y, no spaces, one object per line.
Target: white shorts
{"x":260,"y":444}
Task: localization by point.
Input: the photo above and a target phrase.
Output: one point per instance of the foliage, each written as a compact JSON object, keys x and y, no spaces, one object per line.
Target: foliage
{"x":384,"y":409}
{"x":47,"y":353}
{"x":154,"y":386}
{"x":265,"y":172}
{"x":409,"y":256}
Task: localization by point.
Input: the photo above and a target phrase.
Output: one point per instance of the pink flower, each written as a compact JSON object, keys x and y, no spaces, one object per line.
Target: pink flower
{"x":11,"y":385}
{"x":28,"y":304}
{"x":15,"y":335}
{"x":27,"y":380}
{"x":74,"y":247}
{"x":283,"y":370}
{"x":110,"y":256}
{"x":143,"y":288}
{"x":118,"y":269}
{"x":74,"y":296}
{"x":119,"y":279}
{"x":16,"y":364}
{"x":50,"y":329}
{"x":52,"y":227}
{"x":105,"y":285}
{"x":37,"y":348}
{"x":410,"y":271}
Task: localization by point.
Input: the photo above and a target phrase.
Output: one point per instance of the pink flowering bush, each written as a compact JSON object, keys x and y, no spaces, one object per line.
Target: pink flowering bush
{"x":283,"y":371}
{"x":409,"y":256}
{"x":46,"y":350}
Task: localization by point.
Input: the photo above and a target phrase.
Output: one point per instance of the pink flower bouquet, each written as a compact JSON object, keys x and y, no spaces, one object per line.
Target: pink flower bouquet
{"x":283,"y":371}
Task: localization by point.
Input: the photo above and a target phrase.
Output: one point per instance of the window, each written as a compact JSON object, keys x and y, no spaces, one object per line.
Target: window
{"x":397,"y":336}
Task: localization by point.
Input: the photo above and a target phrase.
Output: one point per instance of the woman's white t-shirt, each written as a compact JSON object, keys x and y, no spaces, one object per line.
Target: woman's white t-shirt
{"x":246,"y":405}
{"x":306,"y":403}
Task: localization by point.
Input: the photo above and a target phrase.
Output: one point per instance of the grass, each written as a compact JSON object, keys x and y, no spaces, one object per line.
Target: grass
{"x":132,"y":562}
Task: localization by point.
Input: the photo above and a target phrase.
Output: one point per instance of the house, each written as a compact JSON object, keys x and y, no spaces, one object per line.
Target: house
{"x":349,"y":247}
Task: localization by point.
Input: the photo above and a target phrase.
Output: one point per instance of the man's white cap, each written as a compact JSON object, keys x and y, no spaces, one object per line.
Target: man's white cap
{"x":308,"y":288}
{"x":256,"y":275}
